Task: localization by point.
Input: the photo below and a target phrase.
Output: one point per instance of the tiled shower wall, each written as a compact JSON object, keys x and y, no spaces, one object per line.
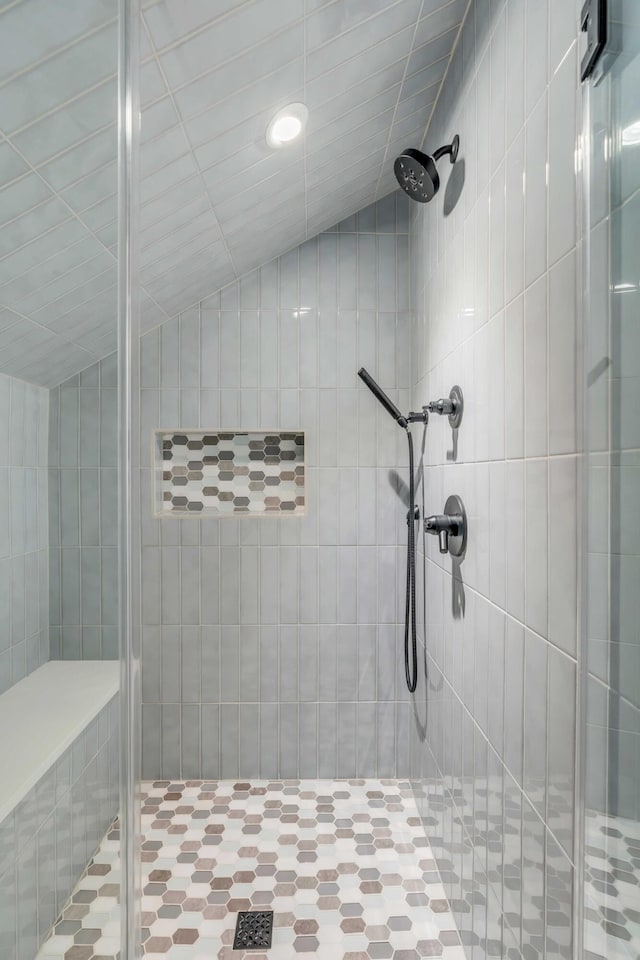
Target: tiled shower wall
{"x":24,"y":590}
{"x":494,"y":278}
{"x":83,"y":515}
{"x":272,"y":647}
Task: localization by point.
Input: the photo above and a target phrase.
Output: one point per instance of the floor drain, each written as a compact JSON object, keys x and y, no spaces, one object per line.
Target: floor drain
{"x":253,"y":930}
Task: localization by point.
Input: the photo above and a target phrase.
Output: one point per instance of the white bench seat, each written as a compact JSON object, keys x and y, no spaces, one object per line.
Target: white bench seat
{"x":42,"y":715}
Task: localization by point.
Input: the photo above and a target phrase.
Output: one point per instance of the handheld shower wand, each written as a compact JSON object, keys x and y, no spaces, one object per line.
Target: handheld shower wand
{"x":410,"y":632}
{"x":381,"y":396}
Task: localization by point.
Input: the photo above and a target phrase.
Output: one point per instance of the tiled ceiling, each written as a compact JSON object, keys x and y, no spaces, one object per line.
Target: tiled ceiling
{"x":216,"y":201}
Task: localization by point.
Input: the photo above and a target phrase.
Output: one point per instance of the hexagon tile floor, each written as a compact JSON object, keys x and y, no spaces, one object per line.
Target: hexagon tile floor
{"x":344,"y":865}
{"x":612,"y":902}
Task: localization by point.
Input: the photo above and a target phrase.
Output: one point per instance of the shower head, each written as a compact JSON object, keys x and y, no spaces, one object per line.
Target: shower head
{"x":416,"y":171}
{"x":380,"y":395}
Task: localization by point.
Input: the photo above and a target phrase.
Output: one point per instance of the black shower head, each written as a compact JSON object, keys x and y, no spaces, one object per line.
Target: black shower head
{"x":416,"y":171}
{"x":380,"y":395}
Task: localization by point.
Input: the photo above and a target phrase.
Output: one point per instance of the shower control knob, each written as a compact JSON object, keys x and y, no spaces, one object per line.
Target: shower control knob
{"x":441,"y":406}
{"x":450,"y":527}
{"x":442,"y":526}
{"x":451,"y":406}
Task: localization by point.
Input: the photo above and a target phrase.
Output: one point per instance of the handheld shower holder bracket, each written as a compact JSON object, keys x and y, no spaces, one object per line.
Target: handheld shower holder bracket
{"x":421,"y":417}
{"x":416,"y":515}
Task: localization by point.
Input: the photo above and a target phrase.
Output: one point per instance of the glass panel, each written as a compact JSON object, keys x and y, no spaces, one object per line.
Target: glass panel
{"x":612,"y":575}
{"x":59,"y":633}
{"x":128,"y":451}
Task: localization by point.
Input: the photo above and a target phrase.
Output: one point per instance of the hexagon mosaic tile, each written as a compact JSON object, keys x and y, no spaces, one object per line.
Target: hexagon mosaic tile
{"x":203,"y":473}
{"x":612,"y":896}
{"x":344,"y":865}
{"x":89,"y":926}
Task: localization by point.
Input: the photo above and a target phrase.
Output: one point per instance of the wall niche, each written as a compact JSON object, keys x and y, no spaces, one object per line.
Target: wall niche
{"x":229,"y":473}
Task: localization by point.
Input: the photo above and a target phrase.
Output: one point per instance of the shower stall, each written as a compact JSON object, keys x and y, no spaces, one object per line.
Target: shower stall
{"x":269,"y":684}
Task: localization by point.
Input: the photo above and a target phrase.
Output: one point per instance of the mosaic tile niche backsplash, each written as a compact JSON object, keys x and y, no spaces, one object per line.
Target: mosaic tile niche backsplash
{"x":223,"y":473}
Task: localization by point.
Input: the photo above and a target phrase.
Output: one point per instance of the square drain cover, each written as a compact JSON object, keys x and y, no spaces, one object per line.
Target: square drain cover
{"x":253,"y":930}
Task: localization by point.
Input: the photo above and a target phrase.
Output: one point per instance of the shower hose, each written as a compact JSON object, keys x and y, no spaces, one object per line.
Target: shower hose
{"x":411,"y":672}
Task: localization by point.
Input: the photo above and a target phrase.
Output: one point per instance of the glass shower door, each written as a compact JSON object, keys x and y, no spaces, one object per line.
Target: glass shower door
{"x":611,"y":658}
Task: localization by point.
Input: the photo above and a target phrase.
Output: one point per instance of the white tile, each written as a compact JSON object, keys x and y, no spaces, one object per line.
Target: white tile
{"x":483,"y":107}
{"x":515,"y":524}
{"x":249,"y":67}
{"x":514,"y":379}
{"x":332,"y":19}
{"x":562,"y":34}
{"x":56,"y":28}
{"x":515,"y":67}
{"x":59,"y":131}
{"x":536,"y":33}
{"x":168,"y":22}
{"x":563,"y":354}
{"x":497,"y":124}
{"x":536,"y":191}
{"x":22,"y":195}
{"x":11,"y":164}
{"x":437,"y":18}
{"x":431,"y":51}
{"x":59,"y":79}
{"x":348,"y":44}
{"x":496,"y":373}
{"x":562,"y":158}
{"x":536,"y":594}
{"x":244,"y":27}
{"x":425,"y":77}
{"x":157,"y":118}
{"x":535,"y":369}
{"x":343,"y":122}
{"x":497,"y":242}
{"x":515,"y":224}
{"x":497,"y":534}
{"x":563,"y":553}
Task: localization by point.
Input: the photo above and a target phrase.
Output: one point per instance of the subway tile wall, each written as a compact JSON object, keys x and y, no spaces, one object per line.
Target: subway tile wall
{"x":83,"y":515}
{"x":24,"y":535}
{"x":50,"y":837}
{"x":272,"y":646}
{"x":494,"y":267}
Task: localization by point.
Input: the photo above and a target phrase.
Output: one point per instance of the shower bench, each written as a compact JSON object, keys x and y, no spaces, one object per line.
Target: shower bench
{"x":58,"y":789}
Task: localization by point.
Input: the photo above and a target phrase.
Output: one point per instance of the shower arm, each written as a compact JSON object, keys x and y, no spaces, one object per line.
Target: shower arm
{"x":444,"y":151}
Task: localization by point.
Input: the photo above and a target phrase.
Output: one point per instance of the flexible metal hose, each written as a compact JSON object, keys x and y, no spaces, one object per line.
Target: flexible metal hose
{"x":410,"y":606}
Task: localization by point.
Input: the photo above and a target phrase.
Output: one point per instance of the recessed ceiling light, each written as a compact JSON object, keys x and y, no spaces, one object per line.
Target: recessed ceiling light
{"x":287,"y":125}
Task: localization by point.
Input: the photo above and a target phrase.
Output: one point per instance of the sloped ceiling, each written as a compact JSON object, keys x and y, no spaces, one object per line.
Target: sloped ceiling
{"x":216,"y":201}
